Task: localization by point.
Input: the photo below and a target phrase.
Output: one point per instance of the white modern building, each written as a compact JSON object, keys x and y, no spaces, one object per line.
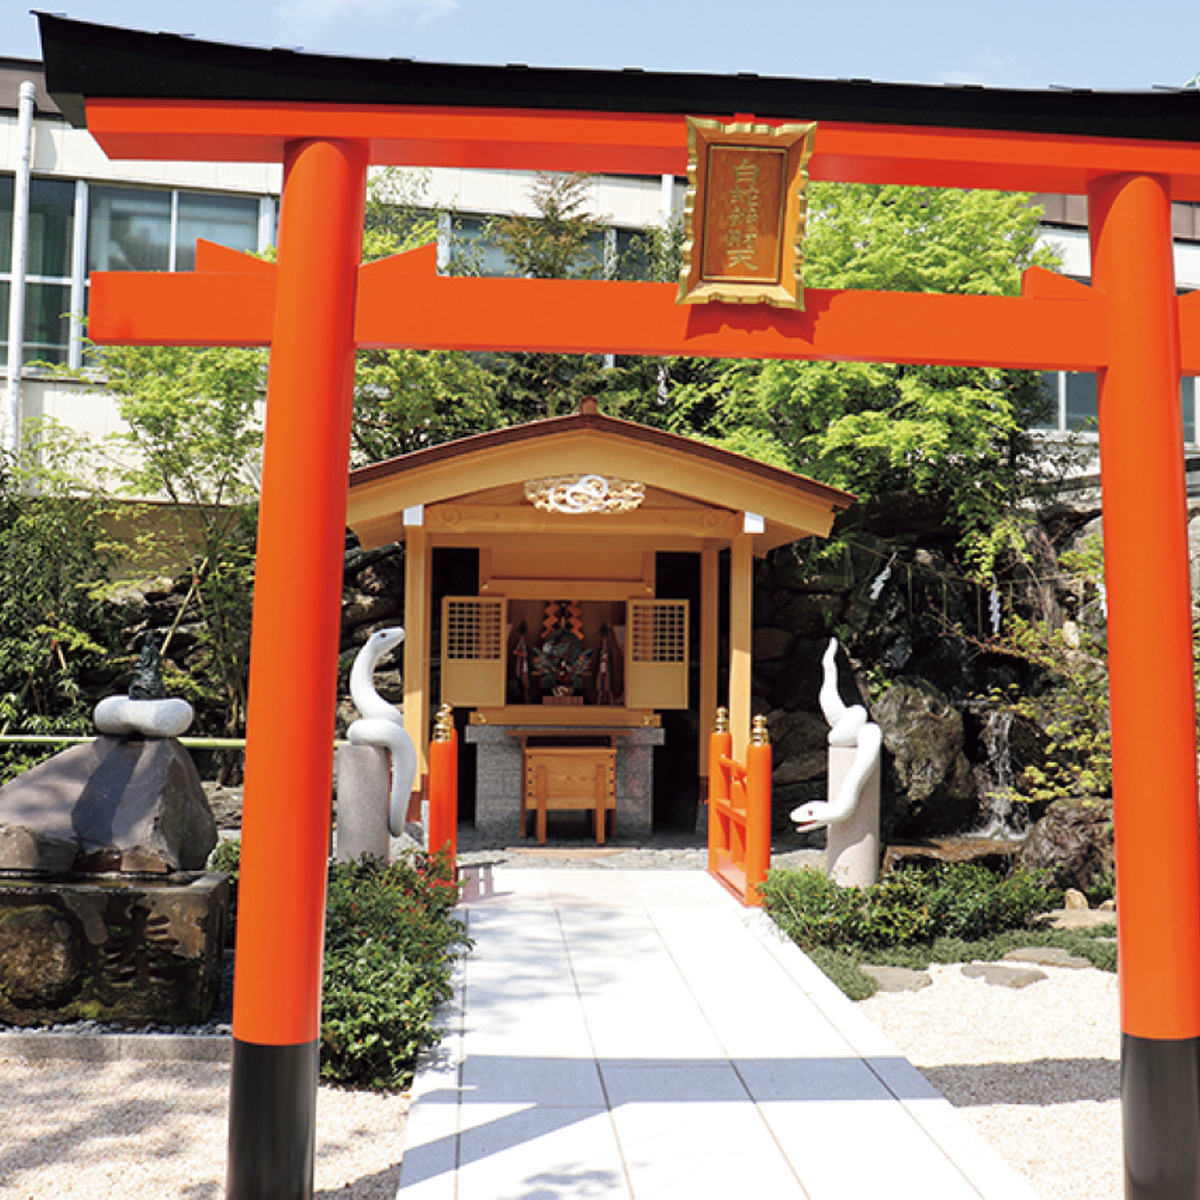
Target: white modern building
{"x":87,"y":213}
{"x":1065,"y":225}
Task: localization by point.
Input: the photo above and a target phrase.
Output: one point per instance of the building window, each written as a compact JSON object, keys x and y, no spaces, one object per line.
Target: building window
{"x":136,"y":229}
{"x":1074,"y":407}
{"x":47,"y":267}
{"x":628,"y":250}
{"x":129,"y":230}
{"x":76,"y":228}
{"x":227,"y":220}
{"x":470,"y":251}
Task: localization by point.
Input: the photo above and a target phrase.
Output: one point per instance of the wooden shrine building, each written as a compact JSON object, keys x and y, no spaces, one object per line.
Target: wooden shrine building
{"x":565,"y":634}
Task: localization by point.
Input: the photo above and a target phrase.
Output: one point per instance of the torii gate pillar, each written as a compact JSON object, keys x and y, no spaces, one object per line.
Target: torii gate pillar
{"x":293,"y":675}
{"x":1151,"y":686}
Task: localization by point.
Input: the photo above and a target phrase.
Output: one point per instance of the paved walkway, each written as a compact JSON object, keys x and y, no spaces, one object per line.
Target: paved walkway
{"x":639,"y":1035}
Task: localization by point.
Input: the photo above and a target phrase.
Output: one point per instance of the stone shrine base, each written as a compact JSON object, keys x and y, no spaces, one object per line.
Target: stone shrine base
{"x":137,"y":951}
{"x":498,"y":780}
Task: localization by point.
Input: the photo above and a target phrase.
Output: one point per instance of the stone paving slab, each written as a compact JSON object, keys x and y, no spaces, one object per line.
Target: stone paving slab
{"x":637,"y":1035}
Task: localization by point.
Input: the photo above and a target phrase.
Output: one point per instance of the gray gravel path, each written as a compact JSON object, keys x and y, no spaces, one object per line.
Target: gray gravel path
{"x":156,"y":1131}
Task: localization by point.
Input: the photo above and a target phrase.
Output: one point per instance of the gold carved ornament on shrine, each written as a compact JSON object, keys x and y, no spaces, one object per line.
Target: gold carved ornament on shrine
{"x":745,"y":213}
{"x":579,"y":494}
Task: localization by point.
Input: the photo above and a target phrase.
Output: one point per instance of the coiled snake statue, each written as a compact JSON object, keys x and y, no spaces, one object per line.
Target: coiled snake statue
{"x":382,"y":724}
{"x":848,"y":727}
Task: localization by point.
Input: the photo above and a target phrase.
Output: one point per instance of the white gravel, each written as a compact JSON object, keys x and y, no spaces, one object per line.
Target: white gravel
{"x":1036,"y":1070}
{"x":157,"y":1131}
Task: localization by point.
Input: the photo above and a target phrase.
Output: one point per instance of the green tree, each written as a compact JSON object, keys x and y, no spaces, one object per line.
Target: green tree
{"x":958,"y":435}
{"x":56,"y":634}
{"x":398,"y":216}
{"x":193,"y":437}
{"x":921,"y":239}
{"x":406,"y":399}
{"x":561,"y":240}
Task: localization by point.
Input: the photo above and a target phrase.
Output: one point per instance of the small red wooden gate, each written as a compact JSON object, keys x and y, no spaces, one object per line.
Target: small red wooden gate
{"x":739,"y":811}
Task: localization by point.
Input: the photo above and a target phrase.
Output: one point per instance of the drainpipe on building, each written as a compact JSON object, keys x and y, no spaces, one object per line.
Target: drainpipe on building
{"x":16,"y":293}
{"x":666,"y":205}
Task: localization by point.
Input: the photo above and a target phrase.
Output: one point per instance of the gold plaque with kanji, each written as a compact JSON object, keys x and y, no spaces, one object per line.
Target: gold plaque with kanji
{"x":745,"y":214}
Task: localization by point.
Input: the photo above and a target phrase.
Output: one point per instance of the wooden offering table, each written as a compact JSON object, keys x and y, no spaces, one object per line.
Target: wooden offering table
{"x":568,"y":776}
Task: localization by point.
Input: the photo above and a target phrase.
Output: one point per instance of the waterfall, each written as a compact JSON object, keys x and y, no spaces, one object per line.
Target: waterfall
{"x":1002,"y":817}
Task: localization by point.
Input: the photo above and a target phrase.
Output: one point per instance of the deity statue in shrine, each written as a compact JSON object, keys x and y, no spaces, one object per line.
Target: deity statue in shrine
{"x":561,"y":662}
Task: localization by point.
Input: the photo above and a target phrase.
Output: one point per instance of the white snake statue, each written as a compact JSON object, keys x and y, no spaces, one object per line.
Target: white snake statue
{"x":849,"y":726}
{"x":382,"y":724}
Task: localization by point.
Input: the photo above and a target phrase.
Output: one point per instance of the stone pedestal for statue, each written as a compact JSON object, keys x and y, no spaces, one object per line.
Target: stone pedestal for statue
{"x":852,"y":848}
{"x":138,"y":951}
{"x":363,"y":781}
{"x":105,"y":912}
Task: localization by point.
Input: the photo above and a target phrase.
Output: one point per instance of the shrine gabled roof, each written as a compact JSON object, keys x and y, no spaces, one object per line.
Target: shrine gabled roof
{"x":90,"y":61}
{"x":792,"y":505}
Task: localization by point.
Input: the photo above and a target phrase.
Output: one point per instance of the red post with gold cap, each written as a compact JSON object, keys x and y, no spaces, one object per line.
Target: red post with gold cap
{"x":443,"y":785}
{"x":1152,"y":695}
{"x":720,"y":747}
{"x":758,"y":810}
{"x":293,"y":664}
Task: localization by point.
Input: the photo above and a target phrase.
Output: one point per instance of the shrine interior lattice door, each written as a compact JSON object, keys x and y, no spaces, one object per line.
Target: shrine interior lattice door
{"x":656,"y":671}
{"x":473,"y":659}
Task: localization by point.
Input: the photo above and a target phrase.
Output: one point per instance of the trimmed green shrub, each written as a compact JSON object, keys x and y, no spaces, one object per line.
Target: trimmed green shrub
{"x":377,"y":1011}
{"x":811,"y":909}
{"x":911,"y":906}
{"x":390,"y":945}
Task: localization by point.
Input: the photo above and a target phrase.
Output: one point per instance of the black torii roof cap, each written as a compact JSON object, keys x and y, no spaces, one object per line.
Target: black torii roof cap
{"x":85,"y":60}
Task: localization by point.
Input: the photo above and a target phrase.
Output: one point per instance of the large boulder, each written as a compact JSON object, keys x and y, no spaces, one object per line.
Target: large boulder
{"x":800,"y":747}
{"x":113,"y":804}
{"x":771,"y":644}
{"x":932,"y":788}
{"x":1072,"y":843}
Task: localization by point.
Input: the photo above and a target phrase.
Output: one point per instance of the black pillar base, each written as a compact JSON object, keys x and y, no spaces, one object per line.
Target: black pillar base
{"x":272,"y":1121}
{"x":1160,"y":1104}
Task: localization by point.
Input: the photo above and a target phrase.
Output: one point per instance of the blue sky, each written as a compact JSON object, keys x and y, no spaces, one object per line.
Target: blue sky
{"x":1002,"y":43}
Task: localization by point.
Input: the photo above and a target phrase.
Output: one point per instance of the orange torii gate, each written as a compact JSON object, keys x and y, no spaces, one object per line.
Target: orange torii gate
{"x":327,"y":119}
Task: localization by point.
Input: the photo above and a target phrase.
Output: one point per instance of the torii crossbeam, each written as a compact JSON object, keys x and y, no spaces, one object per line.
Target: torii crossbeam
{"x":327,"y":119}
